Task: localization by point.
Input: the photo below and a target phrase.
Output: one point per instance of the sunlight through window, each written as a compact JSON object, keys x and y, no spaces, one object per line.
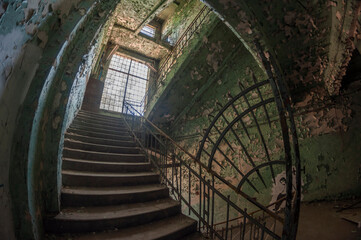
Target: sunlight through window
{"x":125,"y":83}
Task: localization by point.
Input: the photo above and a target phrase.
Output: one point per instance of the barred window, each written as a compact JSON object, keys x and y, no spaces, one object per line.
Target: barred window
{"x":126,"y":81}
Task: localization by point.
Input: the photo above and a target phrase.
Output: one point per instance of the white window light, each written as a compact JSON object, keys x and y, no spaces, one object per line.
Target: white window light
{"x":126,"y":80}
{"x":148,"y":30}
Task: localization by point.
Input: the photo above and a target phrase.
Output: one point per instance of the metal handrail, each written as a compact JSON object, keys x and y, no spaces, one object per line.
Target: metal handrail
{"x":184,"y":37}
{"x":207,"y":169}
{"x":150,"y":140}
{"x":179,"y":46}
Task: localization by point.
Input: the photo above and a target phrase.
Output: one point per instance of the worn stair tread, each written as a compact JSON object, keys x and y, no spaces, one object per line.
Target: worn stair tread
{"x":167,"y":228}
{"x":113,"y":190}
{"x":105,"y":153}
{"x":104,"y":166}
{"x":107,"y":174}
{"x":113,"y":212}
{"x":106,"y":163}
{"x":77,"y":143}
{"x":122,"y":134}
{"x":100,"y":115}
{"x":73,"y":136}
{"x":71,"y":129}
{"x":95,"y":144}
{"x":102,"y":123}
{"x":99,"y":125}
{"x":91,"y":113}
{"x":106,"y":196}
{"x":110,"y":190}
{"x":101,"y":120}
{"x":123,"y":130}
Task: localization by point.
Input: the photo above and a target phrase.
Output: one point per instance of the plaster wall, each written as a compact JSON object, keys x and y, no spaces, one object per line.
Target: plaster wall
{"x":302,"y":40}
{"x":182,"y":17}
{"x":38,"y":43}
{"x":312,"y":41}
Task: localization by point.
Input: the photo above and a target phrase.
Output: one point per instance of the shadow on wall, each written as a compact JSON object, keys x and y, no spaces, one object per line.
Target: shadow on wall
{"x":42,"y":44}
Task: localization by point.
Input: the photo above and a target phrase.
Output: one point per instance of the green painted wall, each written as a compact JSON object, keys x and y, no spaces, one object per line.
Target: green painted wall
{"x":311,"y":41}
{"x":183,"y":15}
{"x":34,"y":103}
{"x":302,"y":40}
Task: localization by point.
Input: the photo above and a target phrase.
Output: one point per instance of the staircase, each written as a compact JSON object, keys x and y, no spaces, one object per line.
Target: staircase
{"x":109,"y":189}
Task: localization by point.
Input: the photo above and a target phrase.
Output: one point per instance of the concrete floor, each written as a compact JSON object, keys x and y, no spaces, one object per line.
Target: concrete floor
{"x":321,"y":221}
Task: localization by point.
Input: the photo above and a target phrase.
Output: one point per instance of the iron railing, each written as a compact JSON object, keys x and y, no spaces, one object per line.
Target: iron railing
{"x":179,"y":170}
{"x":230,"y":200}
{"x":177,"y":50}
{"x":183,"y":42}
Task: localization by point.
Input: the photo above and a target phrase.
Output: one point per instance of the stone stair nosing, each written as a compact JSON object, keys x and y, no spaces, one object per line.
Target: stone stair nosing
{"x":108,"y":184}
{"x":103,"y":166}
{"x":95,"y":140}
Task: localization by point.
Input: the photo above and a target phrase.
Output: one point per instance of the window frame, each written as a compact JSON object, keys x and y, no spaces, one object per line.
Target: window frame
{"x":124,"y":84}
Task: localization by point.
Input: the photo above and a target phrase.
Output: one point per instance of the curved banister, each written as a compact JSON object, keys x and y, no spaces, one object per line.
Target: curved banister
{"x":218,"y":132}
{"x":210,"y":171}
{"x":204,"y":182}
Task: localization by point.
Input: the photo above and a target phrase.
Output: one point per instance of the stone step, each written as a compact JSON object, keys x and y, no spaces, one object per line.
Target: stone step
{"x":99,"y":148}
{"x":99,"y":118}
{"x":85,"y":196}
{"x":107,"y":179}
{"x":104,"y":125}
{"x":170,"y":228}
{"x":123,"y":131}
{"x":119,"y":136}
{"x":102,"y":166}
{"x":95,"y":140}
{"x":100,"y":115}
{"x":93,"y":219}
{"x":81,"y":120}
{"x":101,"y":156}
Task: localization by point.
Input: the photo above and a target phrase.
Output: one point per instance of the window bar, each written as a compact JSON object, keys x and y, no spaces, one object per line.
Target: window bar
{"x":126,"y":85}
{"x":262,"y":231}
{"x":166,"y":160}
{"x":172,"y":159}
{"x":240,"y":230}
{"x":204,"y":202}
{"x":189,"y":189}
{"x":227,"y":220}
{"x":212,"y":218}
{"x":208,"y":203}
{"x":180,"y":181}
{"x":251,"y":231}
{"x":200,"y":197}
{"x":244,"y":225}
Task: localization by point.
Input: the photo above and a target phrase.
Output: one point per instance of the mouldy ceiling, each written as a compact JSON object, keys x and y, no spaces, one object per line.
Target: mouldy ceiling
{"x":130,"y":41}
{"x":129,"y":17}
{"x":167,"y":12}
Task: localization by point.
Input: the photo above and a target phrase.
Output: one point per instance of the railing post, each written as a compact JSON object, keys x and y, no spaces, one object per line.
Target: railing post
{"x":180,"y":180}
{"x":227,"y":218}
{"x":155,"y":145}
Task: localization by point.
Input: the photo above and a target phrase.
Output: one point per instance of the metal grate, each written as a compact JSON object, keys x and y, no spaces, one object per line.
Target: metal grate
{"x":126,"y":80}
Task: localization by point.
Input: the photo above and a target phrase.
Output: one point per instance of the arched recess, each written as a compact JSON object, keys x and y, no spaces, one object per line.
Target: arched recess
{"x":49,"y":101}
{"x":259,"y":98}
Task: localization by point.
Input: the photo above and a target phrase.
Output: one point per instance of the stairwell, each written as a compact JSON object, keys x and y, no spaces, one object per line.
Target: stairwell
{"x":110,"y":190}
